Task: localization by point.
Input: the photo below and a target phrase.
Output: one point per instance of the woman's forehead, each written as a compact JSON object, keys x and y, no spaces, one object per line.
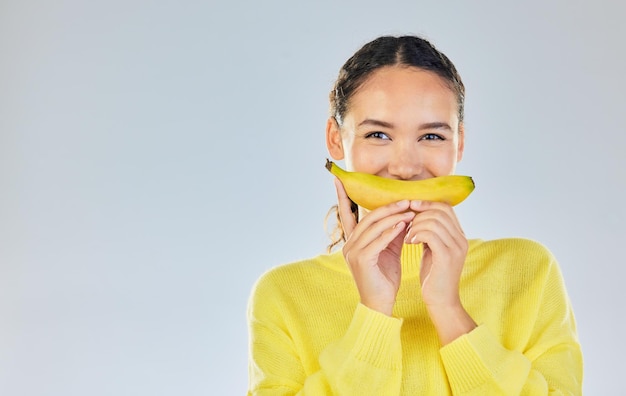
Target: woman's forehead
{"x":391,"y":91}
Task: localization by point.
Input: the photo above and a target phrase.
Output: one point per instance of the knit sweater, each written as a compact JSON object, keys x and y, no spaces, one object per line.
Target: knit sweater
{"x":309,"y":334}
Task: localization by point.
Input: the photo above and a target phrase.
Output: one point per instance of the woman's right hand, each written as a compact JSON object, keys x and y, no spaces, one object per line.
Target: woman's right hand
{"x":372,"y":249}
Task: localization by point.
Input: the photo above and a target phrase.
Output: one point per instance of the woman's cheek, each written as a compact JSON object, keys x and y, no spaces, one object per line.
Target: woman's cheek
{"x":368,"y":160}
{"x":441,"y":163}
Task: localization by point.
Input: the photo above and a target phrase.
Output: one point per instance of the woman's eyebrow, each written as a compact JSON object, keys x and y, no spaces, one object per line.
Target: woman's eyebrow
{"x":372,"y":122}
{"x":385,"y":124}
{"x":435,"y":125}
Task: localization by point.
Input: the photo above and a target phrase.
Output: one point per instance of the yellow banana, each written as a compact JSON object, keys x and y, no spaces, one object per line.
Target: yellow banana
{"x":371,"y":191}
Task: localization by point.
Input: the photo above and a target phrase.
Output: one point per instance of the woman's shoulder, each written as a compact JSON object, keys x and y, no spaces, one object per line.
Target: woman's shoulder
{"x":299,"y":272}
{"x":304,"y":266}
{"x":513,"y":245}
{"x":521,"y":254}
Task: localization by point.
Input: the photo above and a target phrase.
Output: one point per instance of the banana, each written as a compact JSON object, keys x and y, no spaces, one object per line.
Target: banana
{"x":371,"y":191}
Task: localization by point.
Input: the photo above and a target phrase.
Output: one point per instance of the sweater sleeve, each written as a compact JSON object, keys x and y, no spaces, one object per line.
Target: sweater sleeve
{"x":367,"y":360}
{"x":551,"y":363}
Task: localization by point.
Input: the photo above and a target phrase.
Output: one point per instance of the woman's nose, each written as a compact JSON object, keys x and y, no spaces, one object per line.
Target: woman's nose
{"x":405,"y":165}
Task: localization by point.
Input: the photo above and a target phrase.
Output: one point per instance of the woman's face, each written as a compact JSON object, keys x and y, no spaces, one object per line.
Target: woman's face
{"x":402,"y":123}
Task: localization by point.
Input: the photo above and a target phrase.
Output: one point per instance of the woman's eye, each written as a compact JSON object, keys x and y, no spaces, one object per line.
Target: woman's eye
{"x":377,"y":135}
{"x":432,"y":136}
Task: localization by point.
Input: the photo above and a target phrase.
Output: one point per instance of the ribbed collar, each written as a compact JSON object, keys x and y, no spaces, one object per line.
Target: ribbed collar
{"x":410,"y":257}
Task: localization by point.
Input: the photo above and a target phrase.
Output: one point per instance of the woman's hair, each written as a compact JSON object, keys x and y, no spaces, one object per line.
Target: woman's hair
{"x":407,"y":51}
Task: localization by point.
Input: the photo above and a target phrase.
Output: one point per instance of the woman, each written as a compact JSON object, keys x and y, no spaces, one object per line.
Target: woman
{"x":408,"y":305}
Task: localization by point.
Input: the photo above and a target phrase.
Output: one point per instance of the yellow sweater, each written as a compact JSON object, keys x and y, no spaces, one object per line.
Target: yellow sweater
{"x":309,"y":335}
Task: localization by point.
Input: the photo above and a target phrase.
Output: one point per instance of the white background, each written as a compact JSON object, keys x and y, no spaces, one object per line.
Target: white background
{"x":157,"y":156}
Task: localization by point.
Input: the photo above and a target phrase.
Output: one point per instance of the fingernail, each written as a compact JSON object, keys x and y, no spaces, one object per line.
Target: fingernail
{"x":415,"y":205}
{"x":414,"y":239}
{"x":400,"y":224}
{"x":402,"y":203}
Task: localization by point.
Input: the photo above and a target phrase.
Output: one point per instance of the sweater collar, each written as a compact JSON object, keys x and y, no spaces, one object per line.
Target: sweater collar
{"x":410,"y":259}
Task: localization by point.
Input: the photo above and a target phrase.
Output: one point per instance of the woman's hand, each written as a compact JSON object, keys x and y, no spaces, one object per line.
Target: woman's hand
{"x":372,"y":250}
{"x":445,"y":249}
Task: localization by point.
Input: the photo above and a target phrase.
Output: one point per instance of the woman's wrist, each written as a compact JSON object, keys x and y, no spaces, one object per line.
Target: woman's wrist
{"x":384,"y":308}
{"x":451,"y":322}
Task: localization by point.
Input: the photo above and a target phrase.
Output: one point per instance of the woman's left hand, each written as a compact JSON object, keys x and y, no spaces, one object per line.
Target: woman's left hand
{"x":445,"y":250}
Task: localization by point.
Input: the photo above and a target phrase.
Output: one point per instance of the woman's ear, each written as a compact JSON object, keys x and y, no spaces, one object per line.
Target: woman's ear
{"x":334,"y":143}
{"x":461,"y":143}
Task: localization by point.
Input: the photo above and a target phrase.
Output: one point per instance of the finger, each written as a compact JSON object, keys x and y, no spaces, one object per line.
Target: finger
{"x":443,"y":213}
{"x":436,"y":237}
{"x":436,"y":230}
{"x":381,"y":241}
{"x":423,"y":206}
{"x":436,"y":241}
{"x":344,"y":206}
{"x":379,"y":219}
{"x":452,"y":248}
{"x":438,"y":223}
{"x":367,"y":233}
{"x":387,"y":210}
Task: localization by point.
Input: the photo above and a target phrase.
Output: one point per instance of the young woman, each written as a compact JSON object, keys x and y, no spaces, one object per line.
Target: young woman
{"x":408,"y":305}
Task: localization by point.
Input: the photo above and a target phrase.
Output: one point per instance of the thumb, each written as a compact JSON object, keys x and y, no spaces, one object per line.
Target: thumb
{"x":344,"y":206}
